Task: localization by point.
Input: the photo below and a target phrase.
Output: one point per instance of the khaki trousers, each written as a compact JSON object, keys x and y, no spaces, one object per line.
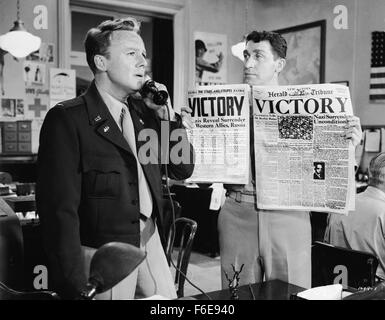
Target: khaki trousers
{"x":271,"y":244}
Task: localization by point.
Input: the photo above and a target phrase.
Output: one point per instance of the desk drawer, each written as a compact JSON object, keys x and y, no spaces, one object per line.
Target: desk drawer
{"x":24,"y":136}
{"x":10,"y":136}
{"x":24,"y":126}
{"x":24,"y":147}
{"x":9,"y":147}
{"x":9,"y":126}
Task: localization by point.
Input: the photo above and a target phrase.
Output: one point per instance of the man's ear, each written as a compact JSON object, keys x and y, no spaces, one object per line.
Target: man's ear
{"x":100,"y":62}
{"x":281,"y":62}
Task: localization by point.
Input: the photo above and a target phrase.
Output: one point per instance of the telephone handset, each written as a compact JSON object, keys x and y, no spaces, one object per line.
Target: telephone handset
{"x":159,"y":96}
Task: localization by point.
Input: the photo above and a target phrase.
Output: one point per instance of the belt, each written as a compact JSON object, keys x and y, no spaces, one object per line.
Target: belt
{"x":238,"y":196}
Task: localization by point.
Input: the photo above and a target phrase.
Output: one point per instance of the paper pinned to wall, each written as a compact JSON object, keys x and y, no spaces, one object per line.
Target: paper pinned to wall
{"x":372,"y":140}
{"x":34,"y":73}
{"x":62,"y":85}
{"x":210,"y":58}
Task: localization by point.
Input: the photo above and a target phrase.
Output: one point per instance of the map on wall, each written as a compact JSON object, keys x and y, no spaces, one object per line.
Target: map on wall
{"x":305,"y":54}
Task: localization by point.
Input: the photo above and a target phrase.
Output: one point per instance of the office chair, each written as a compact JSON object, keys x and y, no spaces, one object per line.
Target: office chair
{"x":169,"y":216}
{"x":330,"y":262}
{"x":181,"y":235}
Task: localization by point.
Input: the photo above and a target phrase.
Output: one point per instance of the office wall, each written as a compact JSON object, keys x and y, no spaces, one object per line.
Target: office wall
{"x":347,"y":51}
{"x":223,"y":17}
{"x":371,"y":17}
{"x":21,"y":97}
{"x":339,"y":57}
{"x":13,"y":71}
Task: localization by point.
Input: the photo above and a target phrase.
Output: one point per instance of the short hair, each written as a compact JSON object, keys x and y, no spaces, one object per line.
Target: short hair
{"x":199,"y":44}
{"x":377,"y":170}
{"x":98,"y":40}
{"x":277,"y":42}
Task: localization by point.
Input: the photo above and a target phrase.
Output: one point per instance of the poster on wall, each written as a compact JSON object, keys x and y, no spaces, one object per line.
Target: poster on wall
{"x":62,"y":85}
{"x":8,"y":108}
{"x":34,"y":73}
{"x":11,"y":108}
{"x":210,"y":58}
{"x":36,"y":103}
{"x":44,"y":54}
{"x":20,"y":109}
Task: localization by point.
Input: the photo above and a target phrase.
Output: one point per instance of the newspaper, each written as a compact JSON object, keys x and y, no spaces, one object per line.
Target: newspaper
{"x":221,"y":115}
{"x":302,"y":161}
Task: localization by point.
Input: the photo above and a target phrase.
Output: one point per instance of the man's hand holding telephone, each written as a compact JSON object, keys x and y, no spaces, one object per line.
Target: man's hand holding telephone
{"x":156,"y":97}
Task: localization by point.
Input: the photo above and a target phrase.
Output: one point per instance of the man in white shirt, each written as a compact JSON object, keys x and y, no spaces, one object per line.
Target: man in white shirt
{"x":364,"y":228}
{"x":272,"y":244}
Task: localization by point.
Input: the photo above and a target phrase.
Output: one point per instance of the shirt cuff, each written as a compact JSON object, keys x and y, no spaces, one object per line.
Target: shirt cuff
{"x":177,"y":122}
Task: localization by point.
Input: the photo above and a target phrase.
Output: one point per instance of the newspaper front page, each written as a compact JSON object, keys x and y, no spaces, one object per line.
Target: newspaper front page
{"x":302,"y":160}
{"x":221,"y":135}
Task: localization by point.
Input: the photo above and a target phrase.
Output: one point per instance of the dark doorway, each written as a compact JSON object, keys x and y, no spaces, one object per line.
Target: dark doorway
{"x":163,"y":53}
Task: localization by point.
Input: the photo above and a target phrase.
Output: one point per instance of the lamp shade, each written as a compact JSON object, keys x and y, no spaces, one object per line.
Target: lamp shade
{"x":18,"y":42}
{"x":237,"y":50}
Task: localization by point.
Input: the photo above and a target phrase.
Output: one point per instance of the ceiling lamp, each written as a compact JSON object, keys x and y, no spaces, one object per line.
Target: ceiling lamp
{"x":238,"y":49}
{"x":18,"y":41}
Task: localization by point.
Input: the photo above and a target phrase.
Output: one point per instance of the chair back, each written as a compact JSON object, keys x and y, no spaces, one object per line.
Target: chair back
{"x":332,"y":264}
{"x":181,"y":236}
{"x":169,"y":217}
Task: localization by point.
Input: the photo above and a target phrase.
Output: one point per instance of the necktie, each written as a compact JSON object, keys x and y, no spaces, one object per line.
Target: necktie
{"x":145,"y":199}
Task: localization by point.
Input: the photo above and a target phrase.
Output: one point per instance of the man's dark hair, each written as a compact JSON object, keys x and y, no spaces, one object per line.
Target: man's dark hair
{"x":98,"y":40}
{"x":277,"y":42}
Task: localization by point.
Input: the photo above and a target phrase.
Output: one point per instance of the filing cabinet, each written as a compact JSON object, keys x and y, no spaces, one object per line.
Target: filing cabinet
{"x":16,"y":137}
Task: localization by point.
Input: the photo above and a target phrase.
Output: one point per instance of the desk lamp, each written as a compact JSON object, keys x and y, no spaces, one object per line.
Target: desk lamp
{"x":110,"y":264}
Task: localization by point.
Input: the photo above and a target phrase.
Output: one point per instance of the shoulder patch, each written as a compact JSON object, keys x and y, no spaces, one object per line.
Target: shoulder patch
{"x":70,"y":103}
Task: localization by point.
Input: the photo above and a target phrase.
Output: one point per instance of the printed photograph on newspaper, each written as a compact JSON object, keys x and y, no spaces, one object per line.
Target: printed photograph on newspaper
{"x":221,"y":115}
{"x":302,"y":161}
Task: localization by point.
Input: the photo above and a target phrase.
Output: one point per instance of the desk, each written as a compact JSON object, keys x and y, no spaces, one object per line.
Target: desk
{"x":269,"y":290}
{"x":22,"y":168}
{"x":22,"y":203}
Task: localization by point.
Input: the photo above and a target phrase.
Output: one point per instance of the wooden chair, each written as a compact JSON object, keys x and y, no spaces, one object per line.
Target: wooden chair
{"x":330,"y":262}
{"x":181,"y":236}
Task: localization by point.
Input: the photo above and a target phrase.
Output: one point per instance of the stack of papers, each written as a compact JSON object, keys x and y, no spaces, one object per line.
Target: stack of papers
{"x":331,"y":292}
